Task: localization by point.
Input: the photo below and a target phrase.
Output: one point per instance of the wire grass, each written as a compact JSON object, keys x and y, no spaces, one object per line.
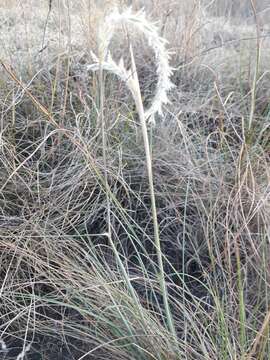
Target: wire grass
{"x":78,"y":250}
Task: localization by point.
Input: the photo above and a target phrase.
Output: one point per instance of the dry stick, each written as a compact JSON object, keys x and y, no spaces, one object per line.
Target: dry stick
{"x":140,"y":109}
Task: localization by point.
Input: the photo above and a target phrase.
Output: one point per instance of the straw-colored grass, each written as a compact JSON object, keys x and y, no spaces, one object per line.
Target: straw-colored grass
{"x":120,"y":237}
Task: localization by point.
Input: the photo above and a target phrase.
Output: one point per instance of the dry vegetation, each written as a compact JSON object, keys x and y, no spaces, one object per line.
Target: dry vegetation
{"x":79,"y":274}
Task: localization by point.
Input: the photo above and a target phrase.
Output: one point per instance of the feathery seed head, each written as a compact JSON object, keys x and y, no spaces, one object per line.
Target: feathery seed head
{"x":157,"y":43}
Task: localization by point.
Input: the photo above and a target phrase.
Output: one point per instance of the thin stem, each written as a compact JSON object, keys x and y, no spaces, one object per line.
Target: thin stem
{"x":108,"y":200}
{"x":140,"y":109}
{"x":256,"y":74}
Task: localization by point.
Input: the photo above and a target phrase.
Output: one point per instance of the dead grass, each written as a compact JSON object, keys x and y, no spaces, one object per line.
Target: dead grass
{"x":62,"y":291}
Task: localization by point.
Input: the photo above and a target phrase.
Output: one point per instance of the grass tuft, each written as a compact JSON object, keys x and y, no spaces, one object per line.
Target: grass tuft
{"x":134,"y":203}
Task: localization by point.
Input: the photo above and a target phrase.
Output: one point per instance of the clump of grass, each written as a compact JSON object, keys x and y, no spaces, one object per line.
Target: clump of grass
{"x":78,"y":257}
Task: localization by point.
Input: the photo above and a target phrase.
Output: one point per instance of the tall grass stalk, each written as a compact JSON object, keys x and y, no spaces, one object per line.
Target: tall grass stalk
{"x":130,"y":77}
{"x":108,"y":203}
{"x":141,"y":113}
{"x":257,"y":68}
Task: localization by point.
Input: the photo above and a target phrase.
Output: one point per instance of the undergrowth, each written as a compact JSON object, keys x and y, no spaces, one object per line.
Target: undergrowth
{"x":80,"y":262}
